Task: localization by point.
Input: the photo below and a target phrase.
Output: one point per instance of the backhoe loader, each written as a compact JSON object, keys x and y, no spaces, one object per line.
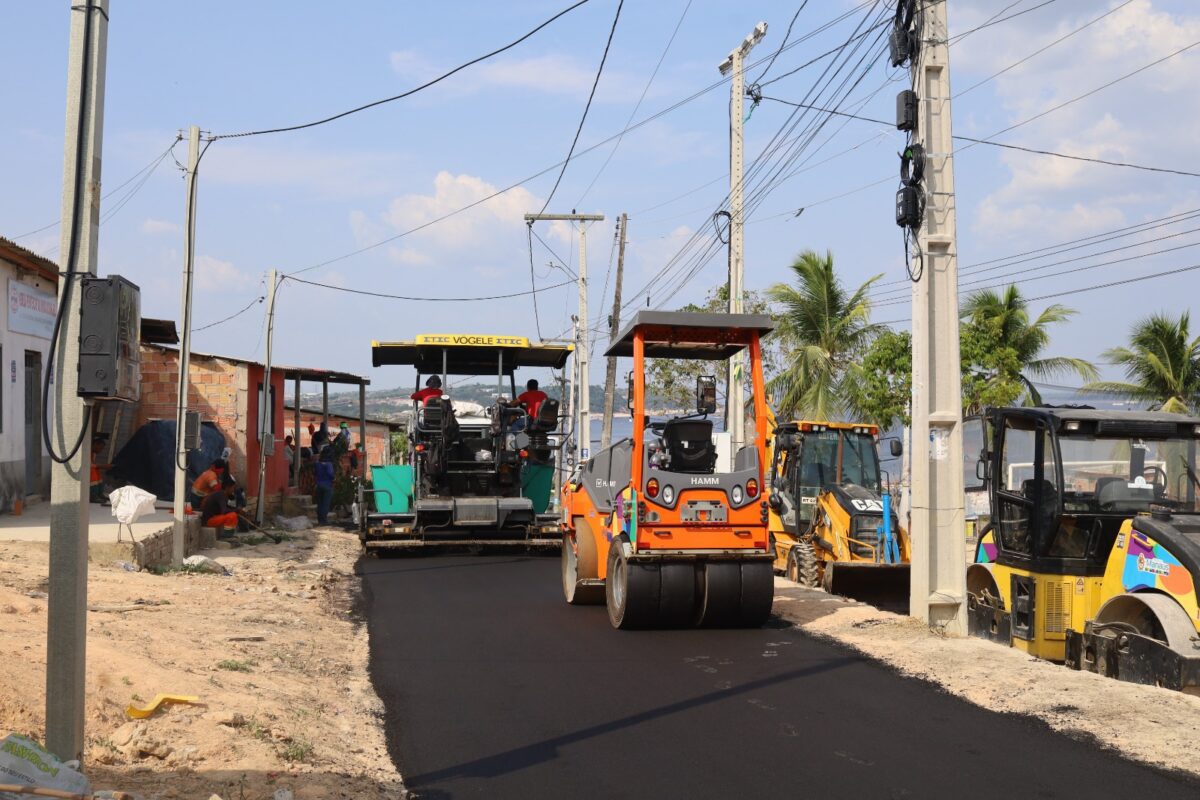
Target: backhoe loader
{"x":1093,"y":551}
{"x":832,"y":524}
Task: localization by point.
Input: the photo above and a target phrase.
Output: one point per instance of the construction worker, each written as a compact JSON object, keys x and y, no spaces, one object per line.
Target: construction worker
{"x":209,"y":481}
{"x":532,"y":398}
{"x":215,"y":511}
{"x":433,"y":388}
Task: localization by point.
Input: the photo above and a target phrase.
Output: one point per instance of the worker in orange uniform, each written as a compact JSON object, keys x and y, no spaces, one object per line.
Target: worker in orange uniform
{"x":215,"y":511}
{"x":209,"y":481}
{"x":433,"y":388}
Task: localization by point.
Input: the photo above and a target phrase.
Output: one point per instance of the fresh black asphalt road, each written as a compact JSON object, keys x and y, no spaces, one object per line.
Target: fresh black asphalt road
{"x":495,"y":688}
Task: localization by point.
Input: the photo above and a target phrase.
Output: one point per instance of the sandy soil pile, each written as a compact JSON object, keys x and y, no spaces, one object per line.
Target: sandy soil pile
{"x":272,"y":651}
{"x":1144,"y":723}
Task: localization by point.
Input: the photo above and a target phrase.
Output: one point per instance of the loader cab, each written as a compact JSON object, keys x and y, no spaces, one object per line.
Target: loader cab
{"x":1063,"y":480}
{"x":809,"y":456}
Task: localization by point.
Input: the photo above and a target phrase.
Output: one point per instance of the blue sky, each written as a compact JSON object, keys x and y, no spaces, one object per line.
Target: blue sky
{"x":291,"y":200}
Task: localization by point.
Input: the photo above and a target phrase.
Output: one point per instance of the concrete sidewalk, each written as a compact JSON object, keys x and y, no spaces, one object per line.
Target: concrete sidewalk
{"x":34,"y":524}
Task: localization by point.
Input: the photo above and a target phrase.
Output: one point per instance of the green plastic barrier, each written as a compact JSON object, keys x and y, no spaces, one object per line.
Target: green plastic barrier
{"x":397,"y":479}
{"x":536,"y":482}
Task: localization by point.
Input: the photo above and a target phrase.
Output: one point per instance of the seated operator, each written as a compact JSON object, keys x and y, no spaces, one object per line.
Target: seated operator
{"x":531,"y":400}
{"x":433,"y":388}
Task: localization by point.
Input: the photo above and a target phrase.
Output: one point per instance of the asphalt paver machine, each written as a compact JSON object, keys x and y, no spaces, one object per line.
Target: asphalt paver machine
{"x":656,"y":529}
{"x":832,"y":521}
{"x":1093,"y":550}
{"x":476,"y":476}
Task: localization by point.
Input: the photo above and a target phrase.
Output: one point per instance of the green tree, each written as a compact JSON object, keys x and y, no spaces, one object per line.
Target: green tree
{"x":672,"y":383}
{"x":1002,"y":349}
{"x":1162,"y":364}
{"x":879,"y":387}
{"x":821,"y":328}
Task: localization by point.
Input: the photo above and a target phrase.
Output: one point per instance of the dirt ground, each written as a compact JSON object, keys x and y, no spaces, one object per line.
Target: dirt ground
{"x":1143,"y":723}
{"x":272,"y":651}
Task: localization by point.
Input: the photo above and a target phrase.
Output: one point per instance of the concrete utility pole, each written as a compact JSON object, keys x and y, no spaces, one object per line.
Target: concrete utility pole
{"x":185,"y":349}
{"x":735,"y":416}
{"x":583,"y":439}
{"x":938,"y":576}
{"x":66,"y":636}
{"x":264,"y":401}
{"x":614,"y":326}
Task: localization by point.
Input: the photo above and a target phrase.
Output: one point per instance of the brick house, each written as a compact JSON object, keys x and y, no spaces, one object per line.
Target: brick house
{"x":227,"y":391}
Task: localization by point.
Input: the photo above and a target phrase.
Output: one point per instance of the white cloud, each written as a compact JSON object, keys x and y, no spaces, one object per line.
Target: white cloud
{"x":469,"y":229}
{"x":213,"y":274}
{"x":1149,"y":118}
{"x":552,"y":73}
{"x":156,"y":226}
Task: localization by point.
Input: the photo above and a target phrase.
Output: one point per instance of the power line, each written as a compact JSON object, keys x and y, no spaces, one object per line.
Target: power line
{"x":410,"y":92}
{"x":1081,"y":290}
{"x":638,"y":105}
{"x":1006,"y":282}
{"x":235,"y":315}
{"x":562,"y":262}
{"x":424,"y":299}
{"x":639,"y":124}
{"x":151,"y":167}
{"x":1041,"y":50}
{"x":787,"y":34}
{"x":533,"y":290}
{"x":994,"y":21}
{"x":1037,"y":151}
{"x":1004,"y":262}
{"x":587,"y":107}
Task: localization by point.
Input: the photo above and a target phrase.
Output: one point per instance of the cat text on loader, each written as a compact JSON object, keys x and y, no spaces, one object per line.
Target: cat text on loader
{"x":832,"y":523}
{"x":1093,"y":551}
{"x":655,"y":528}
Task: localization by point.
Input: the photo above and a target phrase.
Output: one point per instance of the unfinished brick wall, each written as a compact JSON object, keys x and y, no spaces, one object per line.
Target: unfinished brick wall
{"x":218,"y":391}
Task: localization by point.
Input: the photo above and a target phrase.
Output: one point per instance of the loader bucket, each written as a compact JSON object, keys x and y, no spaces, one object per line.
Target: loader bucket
{"x":885,"y":586}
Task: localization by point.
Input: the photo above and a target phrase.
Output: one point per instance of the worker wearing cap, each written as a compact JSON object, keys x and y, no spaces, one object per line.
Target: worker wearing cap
{"x":209,"y":480}
{"x":433,"y":388}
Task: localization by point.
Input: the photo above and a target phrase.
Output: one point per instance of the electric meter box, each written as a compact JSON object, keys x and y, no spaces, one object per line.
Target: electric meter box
{"x":110,"y":327}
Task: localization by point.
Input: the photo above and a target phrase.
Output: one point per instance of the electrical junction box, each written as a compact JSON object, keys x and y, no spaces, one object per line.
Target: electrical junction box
{"x":906,"y":110}
{"x":902,"y":45}
{"x":110,"y":327}
{"x":191,"y":430}
{"x":908,"y":207}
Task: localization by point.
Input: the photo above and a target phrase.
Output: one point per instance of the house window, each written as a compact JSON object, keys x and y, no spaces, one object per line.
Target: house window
{"x":270,"y":410}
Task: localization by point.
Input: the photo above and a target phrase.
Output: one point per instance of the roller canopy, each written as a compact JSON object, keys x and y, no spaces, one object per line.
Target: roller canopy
{"x":686,"y":334}
{"x":469,"y":354}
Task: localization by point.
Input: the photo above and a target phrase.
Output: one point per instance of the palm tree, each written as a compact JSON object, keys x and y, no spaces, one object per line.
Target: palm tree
{"x":1005,"y":317}
{"x":821,"y":328}
{"x":1162,"y":364}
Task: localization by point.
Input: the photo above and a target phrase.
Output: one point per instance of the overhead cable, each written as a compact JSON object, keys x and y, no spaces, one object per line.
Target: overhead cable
{"x":410,"y":92}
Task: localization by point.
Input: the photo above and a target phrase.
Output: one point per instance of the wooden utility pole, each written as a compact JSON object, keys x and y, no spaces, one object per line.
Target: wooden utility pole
{"x":938,"y":578}
{"x":66,"y":623}
{"x":614,"y":328}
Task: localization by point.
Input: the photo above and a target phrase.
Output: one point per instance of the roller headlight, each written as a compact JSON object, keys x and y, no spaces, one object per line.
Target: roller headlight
{"x":668,"y":495}
{"x":737,"y":495}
